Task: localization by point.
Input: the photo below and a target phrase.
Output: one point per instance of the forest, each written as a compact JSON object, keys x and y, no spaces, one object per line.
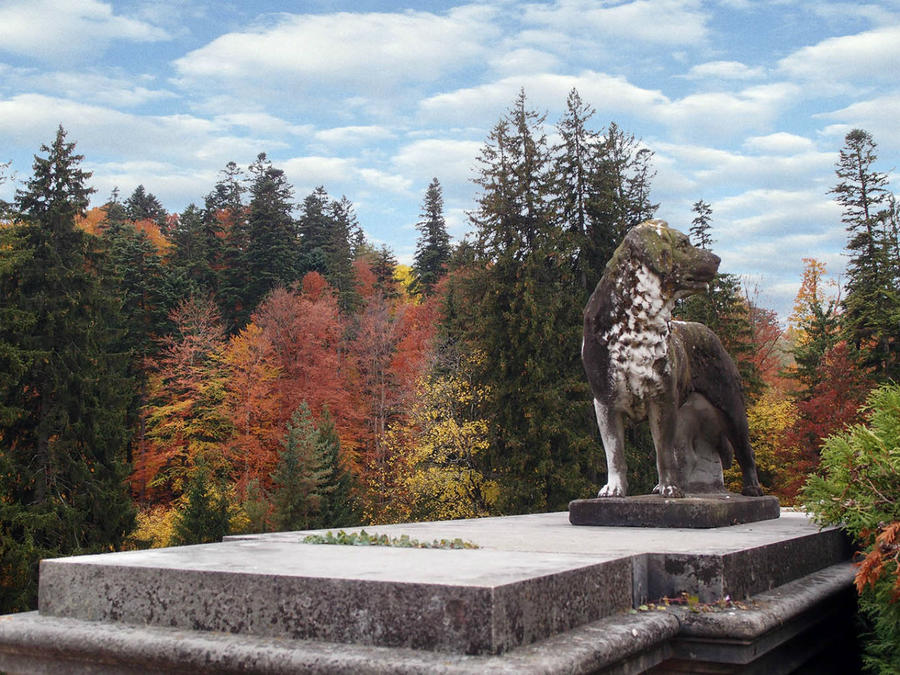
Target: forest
{"x":253,"y":363}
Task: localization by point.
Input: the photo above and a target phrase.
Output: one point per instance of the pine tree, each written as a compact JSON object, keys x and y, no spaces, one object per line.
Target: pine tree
{"x":271,"y":253}
{"x":700,"y":225}
{"x":203,"y":519}
{"x":872,"y":302}
{"x":298,"y":478}
{"x":329,"y":237}
{"x":65,"y":401}
{"x":619,"y":195}
{"x":526,"y":317}
{"x":433,"y":246}
{"x":143,"y":205}
{"x":576,"y":160}
{"x":384,"y":265}
{"x":338,"y":507}
{"x":198,"y":250}
{"x":723,"y":308}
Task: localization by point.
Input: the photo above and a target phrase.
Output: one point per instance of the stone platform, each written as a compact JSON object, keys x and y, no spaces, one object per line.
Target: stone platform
{"x":538,"y":596}
{"x":691,"y":511}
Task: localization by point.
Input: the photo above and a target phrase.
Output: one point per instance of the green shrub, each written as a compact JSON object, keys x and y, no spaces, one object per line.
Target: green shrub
{"x":858,"y":488}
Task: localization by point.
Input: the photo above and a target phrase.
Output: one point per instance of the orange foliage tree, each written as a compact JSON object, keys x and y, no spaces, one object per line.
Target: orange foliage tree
{"x":185,"y":420}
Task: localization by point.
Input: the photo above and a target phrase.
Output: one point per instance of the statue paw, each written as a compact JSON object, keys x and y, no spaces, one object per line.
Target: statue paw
{"x":655,"y":490}
{"x":670,"y":491}
{"x":752,"y":491}
{"x":612,"y":490}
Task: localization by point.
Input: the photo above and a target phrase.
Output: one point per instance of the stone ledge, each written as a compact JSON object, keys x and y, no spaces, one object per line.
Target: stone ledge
{"x":692,"y":511}
{"x":465,"y":601}
{"x":623,"y":644}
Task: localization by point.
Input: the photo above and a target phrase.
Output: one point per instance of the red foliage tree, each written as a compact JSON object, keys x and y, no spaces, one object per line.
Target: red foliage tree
{"x":834,"y":404}
{"x":185,"y":421}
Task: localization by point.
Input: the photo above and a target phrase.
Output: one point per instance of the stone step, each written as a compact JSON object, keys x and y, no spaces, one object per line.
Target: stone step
{"x":464,"y":601}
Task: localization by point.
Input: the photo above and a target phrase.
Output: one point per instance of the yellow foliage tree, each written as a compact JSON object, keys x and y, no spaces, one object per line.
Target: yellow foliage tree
{"x":155,"y":527}
{"x":769,"y":419}
{"x":442,"y":479}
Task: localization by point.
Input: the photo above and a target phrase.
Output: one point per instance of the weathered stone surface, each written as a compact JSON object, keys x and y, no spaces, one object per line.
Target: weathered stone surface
{"x":624,"y":643}
{"x":468,"y":601}
{"x":529,"y":565}
{"x":692,"y":511}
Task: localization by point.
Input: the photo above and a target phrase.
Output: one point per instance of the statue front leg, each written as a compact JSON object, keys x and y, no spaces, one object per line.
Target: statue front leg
{"x":612,"y":433}
{"x":663,"y":417}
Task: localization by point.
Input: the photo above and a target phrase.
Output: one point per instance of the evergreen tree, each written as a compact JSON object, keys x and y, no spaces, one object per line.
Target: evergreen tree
{"x":198,"y":249}
{"x":315,"y":226}
{"x":384,"y":265}
{"x":723,"y":308}
{"x":338,"y":507}
{"x":700,"y":225}
{"x":433,"y":247}
{"x":620,"y":196}
{"x":330,"y":236}
{"x":872,"y":301}
{"x":271,"y":253}
{"x":204,"y":517}
{"x":143,"y":205}
{"x":65,"y":399}
{"x":525,"y":315}
{"x":576,"y":159}
{"x":225,"y":211}
{"x":298,"y":478}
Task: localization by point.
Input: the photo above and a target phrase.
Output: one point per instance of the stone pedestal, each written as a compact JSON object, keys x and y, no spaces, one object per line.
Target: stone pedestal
{"x":539,"y":596}
{"x":691,"y":511}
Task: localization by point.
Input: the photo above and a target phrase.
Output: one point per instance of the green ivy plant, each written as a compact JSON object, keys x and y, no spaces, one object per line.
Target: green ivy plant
{"x":364,"y":538}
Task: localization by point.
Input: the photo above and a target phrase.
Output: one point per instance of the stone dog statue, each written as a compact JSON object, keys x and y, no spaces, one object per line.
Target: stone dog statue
{"x":643,"y":365}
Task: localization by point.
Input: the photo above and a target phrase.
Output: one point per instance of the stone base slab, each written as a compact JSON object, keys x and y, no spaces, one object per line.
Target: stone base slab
{"x":465,"y":601}
{"x":692,"y":511}
{"x":539,"y":596}
{"x":769,"y":633}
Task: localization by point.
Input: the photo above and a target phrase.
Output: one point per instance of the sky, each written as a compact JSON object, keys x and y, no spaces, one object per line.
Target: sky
{"x":745,"y":103}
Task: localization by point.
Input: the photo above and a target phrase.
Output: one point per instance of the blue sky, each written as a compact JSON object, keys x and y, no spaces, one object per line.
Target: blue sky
{"x":745,"y":103}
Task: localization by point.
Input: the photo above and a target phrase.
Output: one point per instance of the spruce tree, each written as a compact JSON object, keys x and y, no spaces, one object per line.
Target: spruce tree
{"x":329,"y":237}
{"x":576,"y":160}
{"x":701,"y":225}
{"x":143,"y":205}
{"x":65,"y":401}
{"x":433,"y":246}
{"x":270,"y":255}
{"x":872,"y":301}
{"x":203,"y":519}
{"x":722,"y":308}
{"x":338,"y":507}
{"x":197,"y":251}
{"x":525,"y":321}
{"x":619,"y":195}
{"x":298,"y":477}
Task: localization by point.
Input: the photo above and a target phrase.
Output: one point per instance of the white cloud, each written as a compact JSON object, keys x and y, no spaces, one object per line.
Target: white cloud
{"x":339,"y":173}
{"x":853,"y":60}
{"x":780,"y":143}
{"x":114,"y":91}
{"x":725,"y":70}
{"x":450,"y":161}
{"x":50,"y":30}
{"x":170,"y":182}
{"x":261,"y":123}
{"x":523,"y":61}
{"x":781,"y":213}
{"x":665,"y":22}
{"x":878,"y":116}
{"x":724,"y":114}
{"x":488,"y":101}
{"x":31,"y":119}
{"x":353,"y":135}
{"x":371,"y":51}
